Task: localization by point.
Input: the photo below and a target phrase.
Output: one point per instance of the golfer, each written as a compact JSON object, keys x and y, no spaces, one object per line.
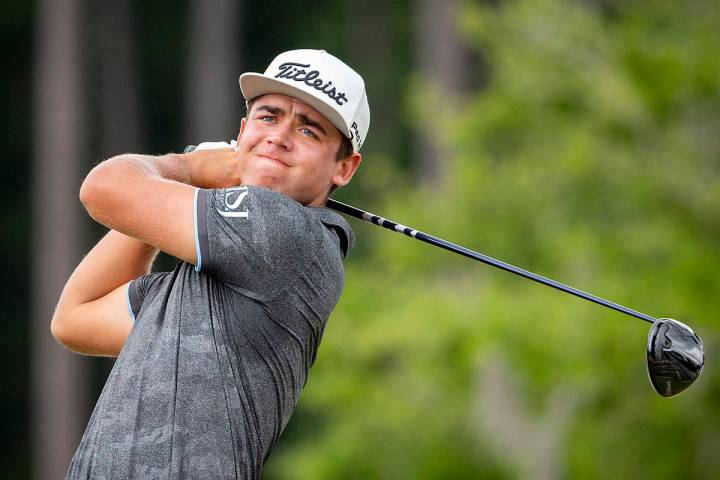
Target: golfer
{"x":212,"y":357}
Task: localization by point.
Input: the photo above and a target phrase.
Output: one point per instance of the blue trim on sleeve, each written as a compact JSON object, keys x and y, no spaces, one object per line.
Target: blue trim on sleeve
{"x":197,"y":235}
{"x":127,"y":298}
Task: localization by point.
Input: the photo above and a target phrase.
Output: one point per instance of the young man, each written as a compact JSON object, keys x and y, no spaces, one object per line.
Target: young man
{"x":212,"y":357}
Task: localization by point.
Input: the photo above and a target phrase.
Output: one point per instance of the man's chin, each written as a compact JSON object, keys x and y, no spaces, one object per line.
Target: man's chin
{"x":270,"y":182}
{"x":262,"y":178}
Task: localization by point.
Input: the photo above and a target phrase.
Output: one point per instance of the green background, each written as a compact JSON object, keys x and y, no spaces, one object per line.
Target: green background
{"x":586,"y":148}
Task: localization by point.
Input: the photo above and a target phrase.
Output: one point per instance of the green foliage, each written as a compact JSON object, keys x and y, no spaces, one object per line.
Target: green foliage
{"x":591,"y":156}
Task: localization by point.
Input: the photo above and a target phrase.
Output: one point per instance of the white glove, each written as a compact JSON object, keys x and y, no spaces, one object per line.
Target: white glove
{"x":215,"y":145}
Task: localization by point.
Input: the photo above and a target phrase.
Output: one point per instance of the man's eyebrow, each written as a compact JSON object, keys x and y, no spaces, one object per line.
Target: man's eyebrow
{"x":271,"y":109}
{"x":310,"y":122}
{"x":304,"y":119}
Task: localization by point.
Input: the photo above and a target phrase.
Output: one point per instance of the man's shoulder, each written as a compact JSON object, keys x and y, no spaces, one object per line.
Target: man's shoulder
{"x":274,"y":225}
{"x":337,"y":225}
{"x":291,"y":217}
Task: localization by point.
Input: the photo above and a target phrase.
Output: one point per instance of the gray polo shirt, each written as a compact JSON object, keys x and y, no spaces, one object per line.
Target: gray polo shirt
{"x":219,"y":352}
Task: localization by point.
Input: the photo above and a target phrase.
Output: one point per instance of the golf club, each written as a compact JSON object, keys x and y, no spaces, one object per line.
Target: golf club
{"x":675,"y":354}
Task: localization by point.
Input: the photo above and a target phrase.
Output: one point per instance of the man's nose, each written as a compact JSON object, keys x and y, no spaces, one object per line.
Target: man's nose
{"x":280,"y":137}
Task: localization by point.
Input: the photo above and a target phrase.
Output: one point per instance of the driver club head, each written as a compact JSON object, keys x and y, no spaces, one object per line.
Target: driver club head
{"x":675,"y":357}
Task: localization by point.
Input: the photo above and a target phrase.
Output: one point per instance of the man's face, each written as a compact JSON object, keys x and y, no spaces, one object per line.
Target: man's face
{"x":288,"y":147}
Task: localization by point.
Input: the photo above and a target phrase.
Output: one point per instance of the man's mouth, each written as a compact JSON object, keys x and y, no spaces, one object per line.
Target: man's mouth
{"x":274,"y":160}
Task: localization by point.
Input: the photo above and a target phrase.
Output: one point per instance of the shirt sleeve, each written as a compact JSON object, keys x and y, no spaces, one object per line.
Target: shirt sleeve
{"x":252,"y":238}
{"x":138,"y":289}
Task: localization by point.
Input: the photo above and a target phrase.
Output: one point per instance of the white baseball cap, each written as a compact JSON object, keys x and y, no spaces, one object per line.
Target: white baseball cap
{"x":322,"y":81}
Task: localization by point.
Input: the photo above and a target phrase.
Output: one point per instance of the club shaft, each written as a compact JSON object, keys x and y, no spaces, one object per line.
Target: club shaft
{"x":438,"y":242}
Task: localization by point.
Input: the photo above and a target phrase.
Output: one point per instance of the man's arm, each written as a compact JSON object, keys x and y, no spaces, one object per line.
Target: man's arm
{"x":92,"y":314}
{"x":149,"y":200}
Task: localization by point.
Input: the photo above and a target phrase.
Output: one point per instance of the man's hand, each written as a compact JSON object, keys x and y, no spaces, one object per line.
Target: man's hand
{"x":213,"y":168}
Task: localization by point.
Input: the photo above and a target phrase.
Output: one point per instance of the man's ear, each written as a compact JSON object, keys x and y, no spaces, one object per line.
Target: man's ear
{"x":242,"y":128}
{"x":345,"y":169}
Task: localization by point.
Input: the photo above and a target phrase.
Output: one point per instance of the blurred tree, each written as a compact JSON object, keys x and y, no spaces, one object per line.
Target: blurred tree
{"x":587,"y":157}
{"x":590,"y":156}
{"x":122,"y":125}
{"x":371,"y":49}
{"x":533,"y":442}
{"x":16,"y":35}
{"x":380,"y":47}
{"x":442,"y":61}
{"x":59,"y":146}
{"x":214,"y":64}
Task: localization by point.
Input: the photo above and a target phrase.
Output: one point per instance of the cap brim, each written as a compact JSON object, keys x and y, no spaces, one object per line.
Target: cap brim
{"x":254,"y":85}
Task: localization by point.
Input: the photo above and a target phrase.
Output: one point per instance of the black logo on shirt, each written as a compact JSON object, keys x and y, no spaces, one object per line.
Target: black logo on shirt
{"x":296,"y":71}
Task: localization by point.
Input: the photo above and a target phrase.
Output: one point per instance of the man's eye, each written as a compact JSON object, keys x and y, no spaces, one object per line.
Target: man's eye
{"x":308,"y":132}
{"x":267,"y":118}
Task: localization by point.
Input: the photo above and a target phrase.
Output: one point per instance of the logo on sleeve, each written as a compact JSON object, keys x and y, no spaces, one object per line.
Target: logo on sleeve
{"x":233,"y":203}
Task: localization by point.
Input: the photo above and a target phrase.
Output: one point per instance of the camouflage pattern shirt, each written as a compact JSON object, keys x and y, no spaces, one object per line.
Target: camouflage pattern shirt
{"x":219,"y":352}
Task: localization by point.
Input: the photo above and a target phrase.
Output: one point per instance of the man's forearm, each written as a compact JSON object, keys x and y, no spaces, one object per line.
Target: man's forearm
{"x":91,"y":316}
{"x":118,"y":258}
{"x":120,"y":182}
{"x":114,"y":260}
{"x":122,"y":194}
{"x":174,"y":167}
{"x":205,"y":169}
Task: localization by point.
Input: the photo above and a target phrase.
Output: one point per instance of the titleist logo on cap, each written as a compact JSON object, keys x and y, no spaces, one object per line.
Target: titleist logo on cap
{"x":296,"y":71}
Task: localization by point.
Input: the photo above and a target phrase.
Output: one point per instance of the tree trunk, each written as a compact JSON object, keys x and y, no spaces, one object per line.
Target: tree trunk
{"x":532,"y":444}
{"x":442,"y":61}
{"x":121,"y":119}
{"x":214,"y":106}
{"x":58,"y":392}
{"x":370,"y":47}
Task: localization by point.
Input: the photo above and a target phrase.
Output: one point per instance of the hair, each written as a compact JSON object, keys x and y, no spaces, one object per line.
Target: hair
{"x":344,"y":150}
